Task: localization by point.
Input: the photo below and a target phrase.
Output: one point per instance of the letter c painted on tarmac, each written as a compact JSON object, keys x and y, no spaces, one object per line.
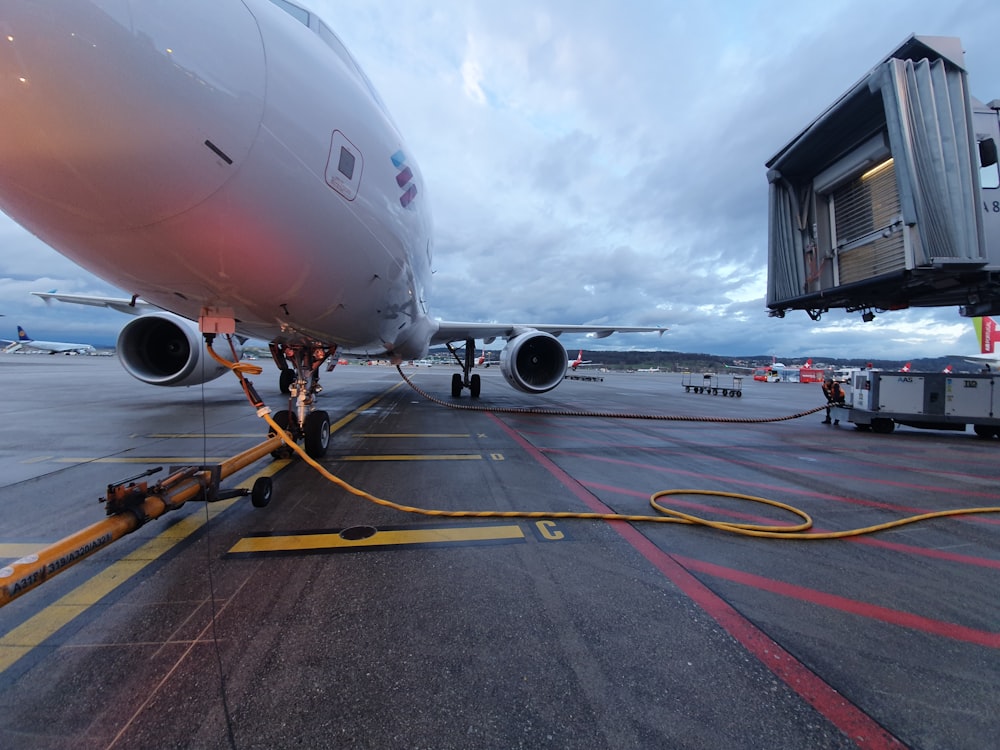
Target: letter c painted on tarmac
{"x":548,"y":530}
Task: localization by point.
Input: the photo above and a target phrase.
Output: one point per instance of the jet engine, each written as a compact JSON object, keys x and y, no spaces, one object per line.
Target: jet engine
{"x":165,"y":349}
{"x":533,"y":362}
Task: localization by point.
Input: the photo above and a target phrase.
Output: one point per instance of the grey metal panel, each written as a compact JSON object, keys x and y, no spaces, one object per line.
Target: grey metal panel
{"x":786,"y":260}
{"x":929,"y":120}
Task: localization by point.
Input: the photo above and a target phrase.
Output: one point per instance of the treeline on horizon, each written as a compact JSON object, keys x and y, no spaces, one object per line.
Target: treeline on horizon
{"x":683,"y":361}
{"x":670,"y":361}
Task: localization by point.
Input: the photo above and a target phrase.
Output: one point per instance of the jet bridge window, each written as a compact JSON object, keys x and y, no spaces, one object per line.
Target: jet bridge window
{"x":989,"y":171}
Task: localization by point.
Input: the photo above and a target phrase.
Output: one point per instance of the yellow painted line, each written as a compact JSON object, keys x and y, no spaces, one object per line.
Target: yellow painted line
{"x":187,"y":460}
{"x":413,"y":435}
{"x":16,"y":550}
{"x":256,"y":435}
{"x":348,"y":418}
{"x":35,"y":630}
{"x":305,"y":542}
{"x":20,"y":641}
{"x":412,"y":457}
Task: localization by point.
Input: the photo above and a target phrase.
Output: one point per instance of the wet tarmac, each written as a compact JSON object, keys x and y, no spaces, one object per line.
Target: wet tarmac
{"x":229,"y":626}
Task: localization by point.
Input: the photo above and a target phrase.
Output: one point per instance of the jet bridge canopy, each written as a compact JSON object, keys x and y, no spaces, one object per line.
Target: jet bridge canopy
{"x":878,"y":204}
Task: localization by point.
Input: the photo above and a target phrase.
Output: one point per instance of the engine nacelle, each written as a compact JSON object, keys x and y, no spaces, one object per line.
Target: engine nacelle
{"x":166,"y":349}
{"x":533,"y":362}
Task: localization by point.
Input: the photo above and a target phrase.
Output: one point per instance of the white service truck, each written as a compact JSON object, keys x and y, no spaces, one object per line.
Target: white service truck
{"x":878,"y":401}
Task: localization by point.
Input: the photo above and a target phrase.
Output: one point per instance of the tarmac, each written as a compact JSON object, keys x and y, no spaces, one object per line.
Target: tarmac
{"x":325,"y":620}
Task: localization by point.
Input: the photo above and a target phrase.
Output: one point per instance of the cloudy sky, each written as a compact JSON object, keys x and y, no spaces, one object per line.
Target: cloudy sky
{"x":592,"y":162}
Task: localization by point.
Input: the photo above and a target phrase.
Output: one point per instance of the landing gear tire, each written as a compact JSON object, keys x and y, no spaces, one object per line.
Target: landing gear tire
{"x":474,"y":385}
{"x":456,"y":385}
{"x":285,"y":380}
{"x":260,"y":494}
{"x":317,"y":434}
{"x":287,"y":422}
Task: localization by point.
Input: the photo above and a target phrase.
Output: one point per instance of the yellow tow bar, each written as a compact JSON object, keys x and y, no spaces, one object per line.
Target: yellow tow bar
{"x":140,"y":505}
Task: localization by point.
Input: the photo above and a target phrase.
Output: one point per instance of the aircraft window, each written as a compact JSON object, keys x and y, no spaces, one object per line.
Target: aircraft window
{"x":299,"y":14}
{"x":346,"y":165}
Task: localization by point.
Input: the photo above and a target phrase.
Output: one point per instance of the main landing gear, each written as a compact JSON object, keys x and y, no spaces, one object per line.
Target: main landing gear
{"x":301,"y":382}
{"x":465,"y":380}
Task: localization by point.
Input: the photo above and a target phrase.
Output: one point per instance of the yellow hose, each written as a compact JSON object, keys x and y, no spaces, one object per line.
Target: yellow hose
{"x":666,"y":514}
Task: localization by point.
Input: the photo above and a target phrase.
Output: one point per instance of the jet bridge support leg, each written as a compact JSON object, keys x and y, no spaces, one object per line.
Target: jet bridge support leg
{"x":465,"y":380}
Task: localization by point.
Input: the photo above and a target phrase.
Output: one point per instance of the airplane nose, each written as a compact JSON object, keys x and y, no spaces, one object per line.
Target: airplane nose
{"x":117,"y":113}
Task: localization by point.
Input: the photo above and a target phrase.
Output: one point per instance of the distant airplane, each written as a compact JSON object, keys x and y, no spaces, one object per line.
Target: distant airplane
{"x":574,"y":363}
{"x":25,"y":342}
{"x":905,"y":368}
{"x":251,"y":181}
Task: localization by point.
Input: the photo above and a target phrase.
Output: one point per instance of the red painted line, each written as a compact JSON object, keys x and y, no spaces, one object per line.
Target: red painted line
{"x":847,"y":717}
{"x":773,"y":487}
{"x":677,"y":502}
{"x":832,"y":601}
{"x":907,"y":549}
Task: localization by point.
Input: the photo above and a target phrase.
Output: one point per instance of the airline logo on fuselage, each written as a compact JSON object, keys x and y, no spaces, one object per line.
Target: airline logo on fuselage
{"x":404,"y":179}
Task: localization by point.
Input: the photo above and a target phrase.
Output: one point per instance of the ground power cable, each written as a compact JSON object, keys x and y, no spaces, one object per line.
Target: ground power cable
{"x":665,"y":514}
{"x":216,"y":648}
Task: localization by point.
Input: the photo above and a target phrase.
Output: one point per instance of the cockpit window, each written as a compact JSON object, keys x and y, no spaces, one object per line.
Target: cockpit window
{"x":333,"y":42}
{"x":299,"y":14}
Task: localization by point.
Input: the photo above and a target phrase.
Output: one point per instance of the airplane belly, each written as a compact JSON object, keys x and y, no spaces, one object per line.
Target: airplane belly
{"x":193,"y":174}
{"x":151,"y":122}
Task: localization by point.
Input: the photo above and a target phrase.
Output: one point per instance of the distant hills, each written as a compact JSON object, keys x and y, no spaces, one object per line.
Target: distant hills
{"x":670,"y":361}
{"x":686,"y":361}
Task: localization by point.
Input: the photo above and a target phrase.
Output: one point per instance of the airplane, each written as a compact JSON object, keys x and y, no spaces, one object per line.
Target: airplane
{"x":249,"y":184}
{"x":574,"y":363}
{"x":25,"y":342}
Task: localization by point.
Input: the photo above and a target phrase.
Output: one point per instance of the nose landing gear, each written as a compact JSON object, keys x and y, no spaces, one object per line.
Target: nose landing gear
{"x":301,"y":381}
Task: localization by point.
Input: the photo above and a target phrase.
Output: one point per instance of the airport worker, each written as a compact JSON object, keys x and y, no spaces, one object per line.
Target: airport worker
{"x":834,"y":397}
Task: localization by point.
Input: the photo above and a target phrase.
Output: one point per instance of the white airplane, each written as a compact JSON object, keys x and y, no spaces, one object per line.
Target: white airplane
{"x":250,"y":180}
{"x":25,"y":342}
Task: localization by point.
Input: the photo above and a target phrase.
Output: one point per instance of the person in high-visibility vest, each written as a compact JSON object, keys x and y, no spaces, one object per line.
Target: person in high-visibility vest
{"x":834,"y":397}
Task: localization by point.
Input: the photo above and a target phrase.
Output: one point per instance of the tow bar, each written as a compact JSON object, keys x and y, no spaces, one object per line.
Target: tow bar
{"x":130,"y":504}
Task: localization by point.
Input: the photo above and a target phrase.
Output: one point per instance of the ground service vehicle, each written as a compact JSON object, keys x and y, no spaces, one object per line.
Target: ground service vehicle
{"x":878,"y":401}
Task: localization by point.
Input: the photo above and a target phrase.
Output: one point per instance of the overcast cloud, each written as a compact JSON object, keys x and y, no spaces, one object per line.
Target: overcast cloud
{"x":604,"y":162}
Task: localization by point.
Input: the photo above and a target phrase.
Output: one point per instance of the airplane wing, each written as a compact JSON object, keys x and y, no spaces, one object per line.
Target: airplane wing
{"x":448,"y":331}
{"x":129,"y":306}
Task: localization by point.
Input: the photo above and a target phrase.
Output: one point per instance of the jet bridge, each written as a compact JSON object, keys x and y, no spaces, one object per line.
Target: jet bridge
{"x":891,"y":198}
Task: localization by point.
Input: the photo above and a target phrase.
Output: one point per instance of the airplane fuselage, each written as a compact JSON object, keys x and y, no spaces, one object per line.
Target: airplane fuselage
{"x":216,"y":154}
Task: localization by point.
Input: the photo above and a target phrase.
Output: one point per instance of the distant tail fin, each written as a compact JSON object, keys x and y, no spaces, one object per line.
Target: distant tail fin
{"x":986,"y":332}
{"x":21,"y":335}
